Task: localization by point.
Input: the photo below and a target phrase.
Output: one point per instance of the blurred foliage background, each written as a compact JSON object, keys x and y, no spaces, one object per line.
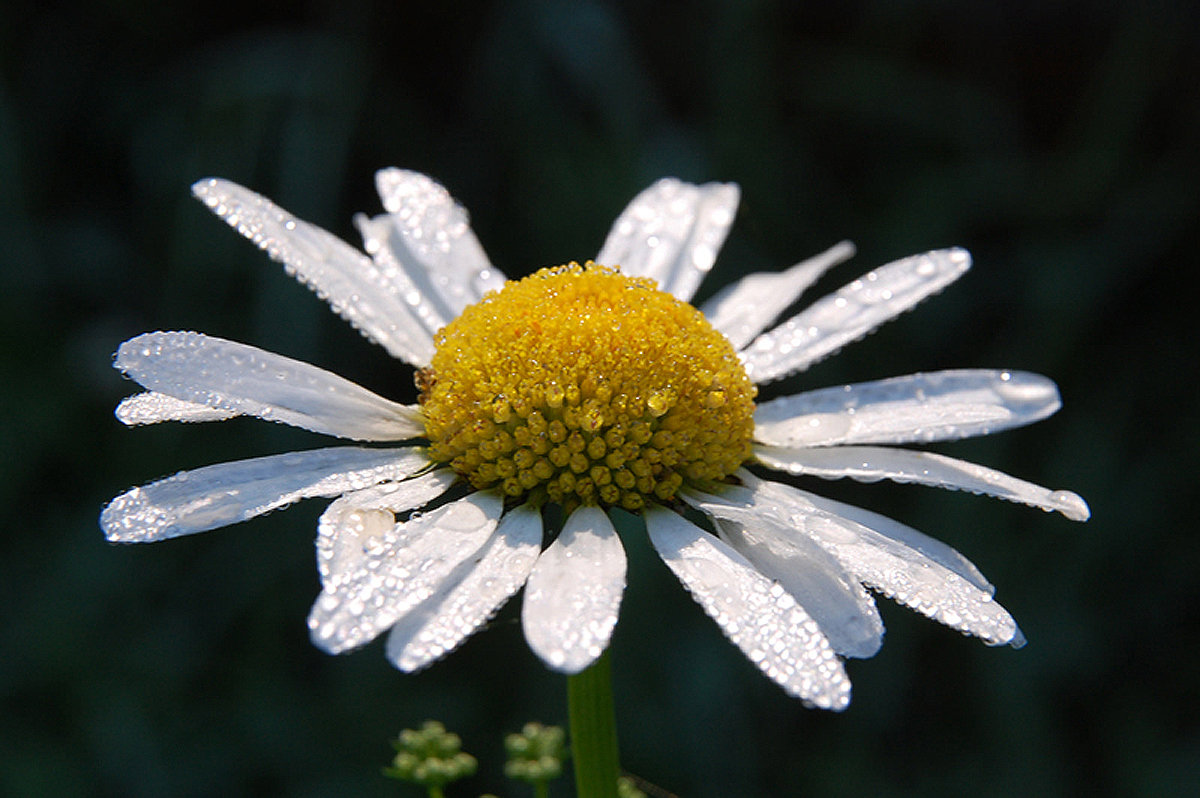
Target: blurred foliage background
{"x":1057,"y":141}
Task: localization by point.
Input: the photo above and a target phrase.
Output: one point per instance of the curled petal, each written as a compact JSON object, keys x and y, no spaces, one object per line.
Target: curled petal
{"x":941,"y":553}
{"x":919,"y":407}
{"x":449,"y":617}
{"x":671,"y":233}
{"x":900,"y":572}
{"x":872,"y":463}
{"x":425,"y":247}
{"x":219,"y":495}
{"x":851,"y":312}
{"x":574,"y":592}
{"x":742,"y":310}
{"x":402,"y":565}
{"x":239,"y":379}
{"x":837,"y":601}
{"x":373,"y":302}
{"x":757,"y":614}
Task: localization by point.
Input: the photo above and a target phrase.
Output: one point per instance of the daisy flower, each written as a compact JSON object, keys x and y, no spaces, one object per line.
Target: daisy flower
{"x":588,"y":388}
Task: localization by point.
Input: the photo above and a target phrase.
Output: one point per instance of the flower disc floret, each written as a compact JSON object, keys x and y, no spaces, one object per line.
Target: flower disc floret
{"x":579,"y":385}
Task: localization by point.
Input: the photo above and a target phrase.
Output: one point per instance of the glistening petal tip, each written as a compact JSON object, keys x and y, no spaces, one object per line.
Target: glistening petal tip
{"x":960,"y":257}
{"x":1072,"y":505}
{"x":832,"y":700}
{"x":204,"y":186}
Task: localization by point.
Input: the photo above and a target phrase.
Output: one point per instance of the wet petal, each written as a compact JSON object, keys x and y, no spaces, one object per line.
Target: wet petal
{"x":743,"y":309}
{"x":151,"y":408}
{"x":574,"y":592}
{"x":341,"y":275}
{"x":757,"y":614}
{"x":932,"y":548}
{"x":425,"y":247}
{"x":671,"y":233}
{"x":920,"y":407}
{"x":240,"y":379}
{"x":349,"y":524}
{"x":843,"y":610}
{"x":448,"y":618}
{"x":901,"y":573}
{"x":219,"y":495}
{"x":851,"y":312}
{"x":872,"y":463}
{"x":402,"y":566}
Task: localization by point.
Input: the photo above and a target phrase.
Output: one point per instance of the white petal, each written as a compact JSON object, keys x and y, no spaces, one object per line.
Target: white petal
{"x":402,"y":566}
{"x":920,"y":407}
{"x":574,"y":592}
{"x":872,"y":463}
{"x":443,"y":622}
{"x":887,"y":565}
{"x":851,"y":312}
{"x":341,"y":275}
{"x":758,"y":615}
{"x":843,"y":610}
{"x":743,"y":309}
{"x":241,"y":379}
{"x":425,"y":248}
{"x":932,"y":548}
{"x":151,"y":408}
{"x":671,"y":233}
{"x":352,"y":522}
{"x":219,"y":495}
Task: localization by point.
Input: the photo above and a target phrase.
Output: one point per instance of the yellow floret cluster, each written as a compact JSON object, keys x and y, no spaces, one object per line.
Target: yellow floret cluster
{"x":579,"y":385}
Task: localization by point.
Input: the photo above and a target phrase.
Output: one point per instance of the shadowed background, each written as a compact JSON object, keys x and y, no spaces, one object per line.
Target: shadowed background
{"x":1055,"y":141}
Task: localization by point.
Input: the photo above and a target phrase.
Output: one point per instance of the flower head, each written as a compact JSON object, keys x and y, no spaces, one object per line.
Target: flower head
{"x":616,"y":398}
{"x":589,"y":387}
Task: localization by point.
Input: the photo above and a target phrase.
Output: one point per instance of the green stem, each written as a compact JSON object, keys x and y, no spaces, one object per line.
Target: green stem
{"x":593,"y":731}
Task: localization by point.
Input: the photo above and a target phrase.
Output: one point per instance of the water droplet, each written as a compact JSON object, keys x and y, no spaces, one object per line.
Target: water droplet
{"x":1023,"y":387}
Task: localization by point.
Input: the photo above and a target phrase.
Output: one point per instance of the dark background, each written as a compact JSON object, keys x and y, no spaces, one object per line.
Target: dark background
{"x":1057,"y":141}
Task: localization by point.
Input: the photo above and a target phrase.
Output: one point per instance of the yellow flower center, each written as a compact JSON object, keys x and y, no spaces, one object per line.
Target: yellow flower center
{"x":578,"y":385}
